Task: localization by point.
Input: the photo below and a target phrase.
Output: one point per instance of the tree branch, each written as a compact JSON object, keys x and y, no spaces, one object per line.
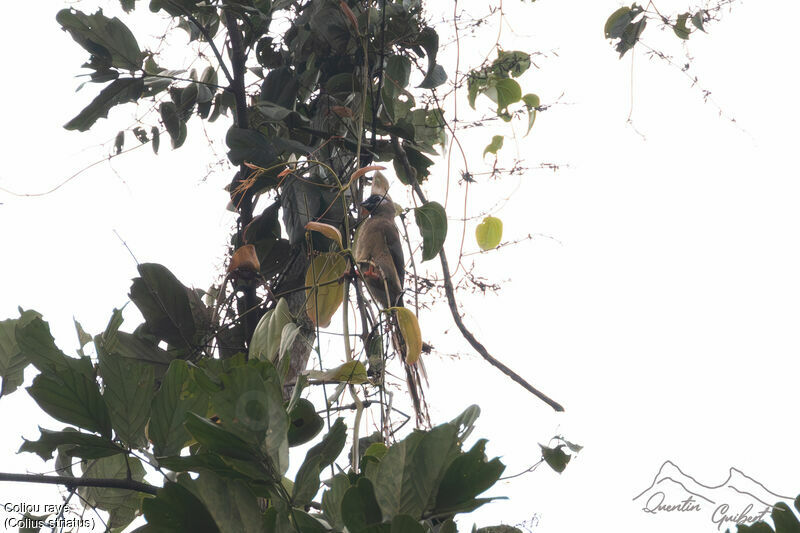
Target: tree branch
{"x":207,"y":36}
{"x":451,"y":297}
{"x":69,"y":481}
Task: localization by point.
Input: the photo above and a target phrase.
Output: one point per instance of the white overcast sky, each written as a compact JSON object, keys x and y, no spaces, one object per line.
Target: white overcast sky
{"x":658,"y":300}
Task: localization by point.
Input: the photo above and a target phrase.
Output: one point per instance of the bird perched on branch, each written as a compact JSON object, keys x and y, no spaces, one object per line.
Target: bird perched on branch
{"x":379,"y":250}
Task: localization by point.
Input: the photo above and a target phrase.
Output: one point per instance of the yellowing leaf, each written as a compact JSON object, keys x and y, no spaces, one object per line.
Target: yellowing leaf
{"x":351,"y":372}
{"x":324,"y":294}
{"x":409,"y":328}
{"x":489,"y":233}
{"x":327,"y":230}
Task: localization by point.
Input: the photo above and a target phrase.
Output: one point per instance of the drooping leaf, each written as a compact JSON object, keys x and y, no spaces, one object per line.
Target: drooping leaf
{"x":489,"y":233}
{"x":107,"y":39}
{"x":117,"y":92}
{"x":619,"y":19}
{"x":178,"y":395}
{"x":698,"y":20}
{"x":324,"y":277}
{"x":531,"y":103}
{"x":165,"y":304}
{"x":409,"y":328}
{"x":494,"y":146}
{"x":435,"y":77}
{"x":36,"y":344}
{"x":329,"y":231}
{"x":431,"y":219}
{"x":504,"y":92}
{"x":72,"y":398}
{"x":155,"y":134}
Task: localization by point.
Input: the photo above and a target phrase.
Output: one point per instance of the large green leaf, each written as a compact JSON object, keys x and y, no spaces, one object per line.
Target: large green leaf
{"x":178,"y":395}
{"x":467,"y":476}
{"x":12,"y":360}
{"x":175,"y":508}
{"x":246,"y":145}
{"x":83,"y":445}
{"x":164,"y":303}
{"x":318,"y":457}
{"x":122,"y":505}
{"x":117,"y":92}
{"x":109,"y":41}
{"x":38,"y":346}
{"x":304,"y":422}
{"x":71,"y":397}
{"x":432,"y":222}
{"x":332,"y":500}
{"x":360,"y":508}
{"x":128,"y":388}
{"x":230,"y":502}
{"x":217,"y":439}
{"x":409,"y":474}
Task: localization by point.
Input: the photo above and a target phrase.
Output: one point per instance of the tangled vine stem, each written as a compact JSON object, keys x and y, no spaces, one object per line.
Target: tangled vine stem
{"x":69,"y":481}
{"x":400,"y":153}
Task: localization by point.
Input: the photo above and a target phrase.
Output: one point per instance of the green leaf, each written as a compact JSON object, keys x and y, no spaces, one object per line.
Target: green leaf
{"x":504,"y":92}
{"x":178,"y":395}
{"x":128,"y":388}
{"x":359,"y":507}
{"x":117,"y":92}
{"x":332,"y":500}
{"x":494,"y":146}
{"x":250,"y":146}
{"x":397,"y":73}
{"x":555,"y":457}
{"x":37,"y":346}
{"x":72,"y":398}
{"x":331,"y":446}
{"x":514,"y":63}
{"x":266,"y":340}
{"x":175,"y":508}
{"x":128,"y":5}
{"x":83,"y":445}
{"x":164,"y":303}
{"x":403,"y":523}
{"x":489,"y":233}
{"x":620,"y":26}
{"x":122,"y":505}
{"x":217,"y":439}
{"x":242,"y":404}
{"x":784,"y":519}
{"x":531,"y":103}
{"x":680,"y":28}
{"x":324,"y":295}
{"x":431,"y":219}
{"x":304,"y":423}
{"x":698,"y":20}
{"x":435,"y":77}
{"x":619,"y":20}
{"x":12,"y":360}
{"x":230,"y":502}
{"x":408,"y":476}
{"x":467,"y":476}
{"x":108,"y":40}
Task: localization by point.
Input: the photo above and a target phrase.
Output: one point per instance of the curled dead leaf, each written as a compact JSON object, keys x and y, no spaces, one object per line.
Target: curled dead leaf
{"x":245,"y":258}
